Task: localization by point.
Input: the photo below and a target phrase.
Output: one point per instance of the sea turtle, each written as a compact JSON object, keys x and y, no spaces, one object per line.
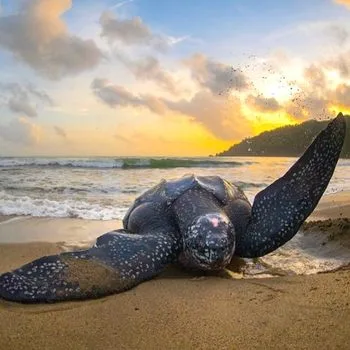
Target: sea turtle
{"x":198,"y":221}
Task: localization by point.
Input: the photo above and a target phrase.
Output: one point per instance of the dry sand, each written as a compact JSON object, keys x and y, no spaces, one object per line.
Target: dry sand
{"x":177,"y":311}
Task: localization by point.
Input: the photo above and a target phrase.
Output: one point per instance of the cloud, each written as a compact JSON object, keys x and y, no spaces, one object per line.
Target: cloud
{"x":316,"y":95}
{"x":60,"y":132}
{"x":313,"y":99}
{"x":343,"y":2}
{"x":315,"y":77}
{"x":341,"y":95}
{"x":121,"y":138}
{"x":341,"y":63}
{"x":306,"y":106}
{"x":171,"y":40}
{"x":220,"y":116}
{"x":120,"y":4}
{"x":22,"y":106}
{"x":38,"y":36}
{"x":339,"y":33}
{"x":41,"y":95}
{"x":115,"y":96}
{"x":130,"y":31}
{"x":21,"y":131}
{"x":18,"y":98}
{"x":155,"y":104}
{"x":263,"y":104}
{"x":219,"y":78}
{"x":150,"y":69}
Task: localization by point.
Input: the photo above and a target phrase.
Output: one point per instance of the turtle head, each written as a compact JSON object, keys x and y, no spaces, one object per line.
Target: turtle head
{"x":209,"y":242}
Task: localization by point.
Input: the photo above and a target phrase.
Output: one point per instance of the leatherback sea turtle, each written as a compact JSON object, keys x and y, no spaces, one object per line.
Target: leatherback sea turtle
{"x":198,"y":221}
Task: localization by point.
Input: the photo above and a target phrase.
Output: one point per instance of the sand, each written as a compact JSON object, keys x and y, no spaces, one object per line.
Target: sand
{"x":176,"y":310}
{"x":22,"y":229}
{"x":332,"y":206}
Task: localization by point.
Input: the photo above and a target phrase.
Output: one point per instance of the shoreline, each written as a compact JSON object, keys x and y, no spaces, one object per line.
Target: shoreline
{"x":324,"y":238}
{"x":27,"y":229}
{"x":73,"y":231}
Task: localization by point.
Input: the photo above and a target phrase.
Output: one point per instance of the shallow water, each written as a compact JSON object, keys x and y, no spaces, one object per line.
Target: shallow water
{"x":303,"y":255}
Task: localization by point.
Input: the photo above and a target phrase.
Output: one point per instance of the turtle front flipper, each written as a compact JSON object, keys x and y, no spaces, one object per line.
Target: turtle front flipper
{"x":117,"y":262}
{"x":280,"y":209}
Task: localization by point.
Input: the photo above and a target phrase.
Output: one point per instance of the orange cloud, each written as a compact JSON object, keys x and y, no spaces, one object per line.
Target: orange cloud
{"x":221,"y":116}
{"x":341,"y":95}
{"x":343,"y":2}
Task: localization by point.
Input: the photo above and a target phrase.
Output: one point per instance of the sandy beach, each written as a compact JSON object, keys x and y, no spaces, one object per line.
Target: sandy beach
{"x":176,"y":310}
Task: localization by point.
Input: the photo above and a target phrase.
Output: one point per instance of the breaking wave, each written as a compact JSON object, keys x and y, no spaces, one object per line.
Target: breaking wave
{"x":119,"y":163}
{"x":69,"y":208}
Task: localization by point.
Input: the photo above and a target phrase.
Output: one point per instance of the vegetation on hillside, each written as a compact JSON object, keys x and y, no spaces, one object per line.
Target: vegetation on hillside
{"x":287,"y":141}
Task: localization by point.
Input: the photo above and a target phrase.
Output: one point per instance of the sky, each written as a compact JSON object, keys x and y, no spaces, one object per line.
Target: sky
{"x":165,"y":78}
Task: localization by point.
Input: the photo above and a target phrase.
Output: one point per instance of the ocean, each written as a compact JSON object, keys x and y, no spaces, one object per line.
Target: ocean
{"x":103,"y":188}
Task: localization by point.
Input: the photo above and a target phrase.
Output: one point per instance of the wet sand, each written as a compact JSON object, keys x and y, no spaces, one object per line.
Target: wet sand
{"x":25,"y":229}
{"x":176,"y":310}
{"x":332,"y":206}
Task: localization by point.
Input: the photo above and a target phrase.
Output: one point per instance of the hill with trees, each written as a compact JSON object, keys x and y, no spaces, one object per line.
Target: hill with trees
{"x":286,"y":141}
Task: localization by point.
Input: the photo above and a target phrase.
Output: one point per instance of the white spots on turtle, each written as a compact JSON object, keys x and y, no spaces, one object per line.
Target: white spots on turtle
{"x":299,"y":191}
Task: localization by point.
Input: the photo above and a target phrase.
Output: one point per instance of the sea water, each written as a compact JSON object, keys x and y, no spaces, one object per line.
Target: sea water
{"x":103,"y":188}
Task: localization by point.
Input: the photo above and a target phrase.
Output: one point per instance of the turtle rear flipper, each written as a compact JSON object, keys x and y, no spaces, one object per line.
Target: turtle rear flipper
{"x":117,"y":262}
{"x":279,"y":210}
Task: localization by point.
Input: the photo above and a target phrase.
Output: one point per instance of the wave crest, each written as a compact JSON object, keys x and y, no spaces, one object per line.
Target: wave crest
{"x":119,"y":163}
{"x":13,"y":205}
